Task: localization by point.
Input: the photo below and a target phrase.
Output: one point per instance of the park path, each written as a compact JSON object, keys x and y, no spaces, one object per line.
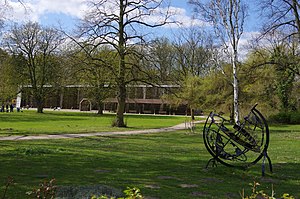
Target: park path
{"x":182,"y":126}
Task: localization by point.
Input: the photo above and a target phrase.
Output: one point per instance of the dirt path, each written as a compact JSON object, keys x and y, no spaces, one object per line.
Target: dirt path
{"x":65,"y":136}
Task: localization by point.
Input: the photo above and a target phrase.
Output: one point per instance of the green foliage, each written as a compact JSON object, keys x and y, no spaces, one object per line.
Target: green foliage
{"x":261,"y":194}
{"x":8,"y":82}
{"x":217,"y":92}
{"x":257,"y":81}
{"x":130,"y":193}
{"x":269,"y":77}
{"x":190,"y":92}
{"x":285,"y":77}
{"x":133,"y":193}
{"x":285,"y":118}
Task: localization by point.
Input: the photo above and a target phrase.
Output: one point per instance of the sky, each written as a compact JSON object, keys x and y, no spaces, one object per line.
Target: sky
{"x":65,"y":13}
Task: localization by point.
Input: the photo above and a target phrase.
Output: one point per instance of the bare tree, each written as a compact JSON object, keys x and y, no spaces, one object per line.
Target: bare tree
{"x":120,"y":24}
{"x":36,"y":46}
{"x":193,"y":49}
{"x":283,"y":16}
{"x":227,"y":17}
{"x":4,"y":9}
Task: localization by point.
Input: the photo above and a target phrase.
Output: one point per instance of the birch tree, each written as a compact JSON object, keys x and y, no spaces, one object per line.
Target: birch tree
{"x":121,"y":25}
{"x":227,"y":18}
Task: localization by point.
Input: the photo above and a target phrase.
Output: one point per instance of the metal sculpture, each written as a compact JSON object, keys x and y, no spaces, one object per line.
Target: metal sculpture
{"x":237,"y":145}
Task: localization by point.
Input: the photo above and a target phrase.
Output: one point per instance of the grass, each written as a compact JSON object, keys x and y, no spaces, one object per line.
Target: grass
{"x":164,"y":165}
{"x":58,"y":122}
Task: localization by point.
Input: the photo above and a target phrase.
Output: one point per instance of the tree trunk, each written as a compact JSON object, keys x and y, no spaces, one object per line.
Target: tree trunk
{"x":297,"y":19}
{"x":235,"y":89}
{"x":192,"y":114}
{"x":100,"y":108}
{"x":119,"y":121}
{"x":40,"y":105}
{"x":61,"y":97}
{"x":39,"y":100}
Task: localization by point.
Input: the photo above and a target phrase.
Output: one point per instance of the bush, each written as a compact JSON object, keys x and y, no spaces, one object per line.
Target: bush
{"x":261,"y":194}
{"x":295,"y":118}
{"x":285,"y":118}
{"x":130,"y":193}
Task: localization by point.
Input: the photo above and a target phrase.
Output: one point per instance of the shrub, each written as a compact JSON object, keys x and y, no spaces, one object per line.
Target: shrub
{"x":261,"y":194}
{"x":46,"y":190}
{"x":295,"y":118}
{"x":130,"y":193}
{"x":285,"y":118}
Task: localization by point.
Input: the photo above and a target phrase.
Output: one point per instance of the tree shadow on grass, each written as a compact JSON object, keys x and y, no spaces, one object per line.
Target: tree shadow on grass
{"x":161,"y":165}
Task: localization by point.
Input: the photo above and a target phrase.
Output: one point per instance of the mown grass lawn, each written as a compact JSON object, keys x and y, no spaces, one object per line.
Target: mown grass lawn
{"x":59,"y":122}
{"x":164,"y":165}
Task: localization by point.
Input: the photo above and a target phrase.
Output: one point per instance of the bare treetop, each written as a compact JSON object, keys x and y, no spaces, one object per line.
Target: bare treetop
{"x":104,"y":18}
{"x":282,"y":15}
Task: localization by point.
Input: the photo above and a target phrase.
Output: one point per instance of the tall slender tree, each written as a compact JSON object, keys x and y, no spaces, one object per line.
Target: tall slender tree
{"x":227,"y":17}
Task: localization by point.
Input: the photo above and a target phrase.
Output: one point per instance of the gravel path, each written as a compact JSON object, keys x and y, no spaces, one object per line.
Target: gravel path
{"x":65,"y":136}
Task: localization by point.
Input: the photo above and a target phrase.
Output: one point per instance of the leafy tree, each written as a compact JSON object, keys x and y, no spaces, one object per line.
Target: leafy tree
{"x":258,"y":85}
{"x":191,"y":93}
{"x":282,"y":59}
{"x":65,"y":74}
{"x":217,"y":90}
{"x":8,"y":82}
{"x":35,"y":46}
{"x":284,"y":76}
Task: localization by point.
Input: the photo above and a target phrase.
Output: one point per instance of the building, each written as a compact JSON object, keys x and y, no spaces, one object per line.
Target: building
{"x":143,"y":99}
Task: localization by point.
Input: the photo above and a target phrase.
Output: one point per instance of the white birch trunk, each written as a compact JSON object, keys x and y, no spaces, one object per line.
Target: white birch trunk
{"x":235,"y":88}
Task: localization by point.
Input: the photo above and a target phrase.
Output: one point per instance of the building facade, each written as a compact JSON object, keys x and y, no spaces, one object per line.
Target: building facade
{"x":142,"y":99}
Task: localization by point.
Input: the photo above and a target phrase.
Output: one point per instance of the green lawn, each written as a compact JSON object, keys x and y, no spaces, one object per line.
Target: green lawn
{"x":164,"y":165}
{"x":59,"y":122}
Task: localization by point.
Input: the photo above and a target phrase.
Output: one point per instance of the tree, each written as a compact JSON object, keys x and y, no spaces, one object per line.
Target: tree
{"x":191,"y":93}
{"x":163,"y":60}
{"x":95,"y":76}
{"x":8,"y":85}
{"x":282,"y":23}
{"x":118,"y":24}
{"x":36,"y":46}
{"x":282,"y":57}
{"x":4,"y":9}
{"x":193,"y":49}
{"x":227,"y":17}
{"x":282,"y":15}
{"x":285,"y":77}
{"x":193,"y":52}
